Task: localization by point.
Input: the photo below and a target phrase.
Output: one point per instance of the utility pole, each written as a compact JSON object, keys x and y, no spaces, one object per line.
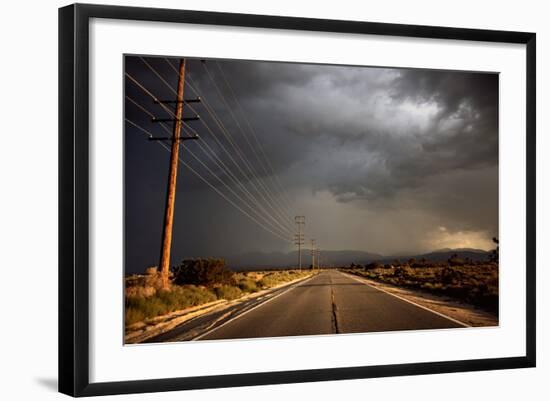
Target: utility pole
{"x":299,"y":238}
{"x":318,"y":258}
{"x":312,"y":254}
{"x":172,"y":176}
{"x":173,"y":172}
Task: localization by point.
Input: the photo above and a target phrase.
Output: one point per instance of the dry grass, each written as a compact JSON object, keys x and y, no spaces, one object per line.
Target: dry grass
{"x":273,"y":278}
{"x":161,"y":302}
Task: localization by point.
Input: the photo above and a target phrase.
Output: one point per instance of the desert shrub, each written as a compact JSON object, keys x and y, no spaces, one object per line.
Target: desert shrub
{"x":153,"y":278}
{"x":228,"y":292}
{"x":133,"y":315}
{"x":374,"y":265}
{"x":454,"y":260}
{"x":185,"y":296}
{"x":422,"y":263}
{"x":267,"y":281}
{"x":450,"y":275}
{"x":247,"y":285}
{"x":274,"y":278}
{"x":474,"y":283}
{"x":148,"y":307}
{"x":140,"y":291}
{"x":427,"y":286}
{"x":371,"y":275}
{"x":202,"y":272}
{"x":144,"y":284}
{"x":197,"y":295}
{"x":403,"y":271}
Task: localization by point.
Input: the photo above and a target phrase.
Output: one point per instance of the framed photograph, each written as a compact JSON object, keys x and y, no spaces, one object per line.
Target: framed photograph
{"x":250,"y":199}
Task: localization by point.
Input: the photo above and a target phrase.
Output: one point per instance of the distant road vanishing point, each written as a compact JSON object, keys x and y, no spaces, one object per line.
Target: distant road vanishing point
{"x":330,"y":302}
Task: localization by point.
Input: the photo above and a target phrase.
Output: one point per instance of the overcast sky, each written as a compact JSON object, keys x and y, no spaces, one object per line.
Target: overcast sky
{"x":392,"y":161}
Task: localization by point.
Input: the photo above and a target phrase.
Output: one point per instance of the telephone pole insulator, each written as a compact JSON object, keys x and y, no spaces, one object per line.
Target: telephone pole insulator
{"x":195,"y":100}
{"x":179,"y":119}
{"x":169,"y":138}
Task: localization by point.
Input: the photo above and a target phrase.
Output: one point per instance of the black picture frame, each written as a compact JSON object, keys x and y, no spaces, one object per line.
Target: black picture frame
{"x":74,"y":198}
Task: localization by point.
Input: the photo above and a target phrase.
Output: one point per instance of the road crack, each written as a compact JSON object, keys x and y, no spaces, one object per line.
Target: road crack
{"x":334,"y":316}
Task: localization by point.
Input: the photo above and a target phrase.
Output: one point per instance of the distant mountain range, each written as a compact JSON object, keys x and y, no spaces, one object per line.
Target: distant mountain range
{"x":266,"y":260}
{"x":444,"y":254}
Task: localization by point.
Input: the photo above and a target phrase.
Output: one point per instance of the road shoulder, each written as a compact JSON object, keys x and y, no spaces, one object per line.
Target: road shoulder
{"x":465,"y":313}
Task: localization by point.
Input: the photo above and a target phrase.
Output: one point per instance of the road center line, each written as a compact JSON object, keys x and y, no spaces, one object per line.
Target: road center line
{"x":406,"y":300}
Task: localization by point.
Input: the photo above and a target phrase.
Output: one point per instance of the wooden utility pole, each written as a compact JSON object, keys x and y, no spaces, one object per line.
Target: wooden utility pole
{"x":299,"y":238}
{"x":318,"y":258}
{"x":172,"y":176}
{"x":312,"y":254}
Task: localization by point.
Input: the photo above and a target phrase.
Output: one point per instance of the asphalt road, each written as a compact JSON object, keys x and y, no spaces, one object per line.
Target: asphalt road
{"x":330,"y":302}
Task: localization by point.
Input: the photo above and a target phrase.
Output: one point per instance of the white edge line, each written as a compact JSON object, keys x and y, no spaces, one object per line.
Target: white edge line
{"x":251,"y":309}
{"x":405,"y":299}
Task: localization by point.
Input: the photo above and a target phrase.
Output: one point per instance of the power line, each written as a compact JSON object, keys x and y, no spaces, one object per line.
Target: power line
{"x":190,"y":168}
{"x":149,"y":93}
{"x":205,"y":166}
{"x":254,"y":151}
{"x":273,"y":176}
{"x":234,"y":193}
{"x":299,"y":237}
{"x":222,"y":97}
{"x":217,"y":120}
{"x":228,"y":137}
{"x":179,"y":120}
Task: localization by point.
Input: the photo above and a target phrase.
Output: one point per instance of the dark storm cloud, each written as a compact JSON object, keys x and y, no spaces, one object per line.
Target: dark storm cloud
{"x":398,"y":126}
{"x":373,"y":140}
